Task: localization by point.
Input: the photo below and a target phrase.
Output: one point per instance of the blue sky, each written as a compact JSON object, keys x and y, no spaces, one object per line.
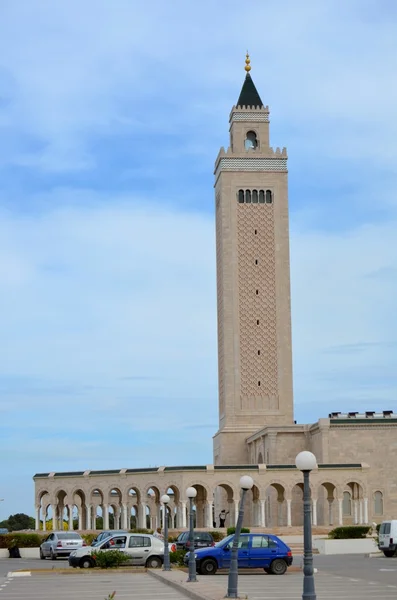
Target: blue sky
{"x":111,"y":116}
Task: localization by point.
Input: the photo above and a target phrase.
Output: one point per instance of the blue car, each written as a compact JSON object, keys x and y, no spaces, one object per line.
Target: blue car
{"x":255,"y":551}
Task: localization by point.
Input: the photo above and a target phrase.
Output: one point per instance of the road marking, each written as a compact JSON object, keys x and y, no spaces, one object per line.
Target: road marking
{"x":19,"y":574}
{"x":388,"y":570}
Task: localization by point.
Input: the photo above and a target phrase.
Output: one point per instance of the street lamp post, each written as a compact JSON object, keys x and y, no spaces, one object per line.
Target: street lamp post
{"x":246,"y":484}
{"x":165,"y":500}
{"x":191,"y":493}
{"x":306,"y":462}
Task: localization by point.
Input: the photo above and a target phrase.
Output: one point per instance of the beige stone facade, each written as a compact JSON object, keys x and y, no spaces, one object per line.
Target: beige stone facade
{"x":257,"y":433}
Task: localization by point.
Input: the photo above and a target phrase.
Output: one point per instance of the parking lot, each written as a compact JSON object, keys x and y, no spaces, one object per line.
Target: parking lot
{"x":87,"y":587}
{"x":341,"y":577}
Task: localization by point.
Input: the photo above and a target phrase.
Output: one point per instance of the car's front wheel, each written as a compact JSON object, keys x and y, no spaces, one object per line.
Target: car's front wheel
{"x":154,"y":562}
{"x":389,"y":553}
{"x":278,"y":567}
{"x":86,"y":563}
{"x":208,"y":567}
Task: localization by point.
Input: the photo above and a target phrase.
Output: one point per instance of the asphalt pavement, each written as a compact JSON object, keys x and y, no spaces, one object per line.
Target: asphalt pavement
{"x":86,"y":587}
{"x":347,"y":577}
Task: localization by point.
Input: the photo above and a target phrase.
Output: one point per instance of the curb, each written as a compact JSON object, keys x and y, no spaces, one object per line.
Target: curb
{"x":86,"y":572}
{"x":183,"y":589}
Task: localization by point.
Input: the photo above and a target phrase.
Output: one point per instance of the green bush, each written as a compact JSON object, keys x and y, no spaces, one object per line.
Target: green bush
{"x":177,"y":557}
{"x":110,"y":559}
{"x":231,"y":530}
{"x":21,"y":540}
{"x":140,"y":530}
{"x":217,"y":535}
{"x":349,"y":532}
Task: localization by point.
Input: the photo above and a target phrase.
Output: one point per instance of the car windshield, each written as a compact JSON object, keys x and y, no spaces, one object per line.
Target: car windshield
{"x":225,"y":541}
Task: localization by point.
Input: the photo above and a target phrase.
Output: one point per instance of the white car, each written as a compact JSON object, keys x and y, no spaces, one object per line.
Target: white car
{"x":144,"y":550}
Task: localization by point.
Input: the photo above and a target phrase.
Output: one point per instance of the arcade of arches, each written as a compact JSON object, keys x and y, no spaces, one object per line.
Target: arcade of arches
{"x":339,"y":496}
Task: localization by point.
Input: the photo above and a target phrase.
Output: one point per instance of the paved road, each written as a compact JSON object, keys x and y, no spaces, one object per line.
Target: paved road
{"x":343,"y":577}
{"x":16,"y":564}
{"x":328,"y":587}
{"x":86,"y":587}
{"x":382,"y":570}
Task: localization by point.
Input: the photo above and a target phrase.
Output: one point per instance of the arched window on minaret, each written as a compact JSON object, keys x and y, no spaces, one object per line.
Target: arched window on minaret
{"x":241,"y":196}
{"x":248,"y":196}
{"x":268,"y":197}
{"x":251,"y":141}
{"x":254,"y":196}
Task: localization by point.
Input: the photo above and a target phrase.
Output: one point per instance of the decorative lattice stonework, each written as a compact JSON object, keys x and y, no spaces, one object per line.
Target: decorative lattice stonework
{"x":251,"y":116}
{"x":257,"y":306}
{"x":252,"y":164}
{"x":219,"y":266}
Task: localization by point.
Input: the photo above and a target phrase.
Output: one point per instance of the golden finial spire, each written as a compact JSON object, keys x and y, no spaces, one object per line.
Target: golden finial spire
{"x":247,"y":63}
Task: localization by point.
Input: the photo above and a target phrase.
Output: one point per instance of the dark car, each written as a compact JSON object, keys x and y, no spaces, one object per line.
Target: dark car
{"x":202,"y":539}
{"x":255,"y":551}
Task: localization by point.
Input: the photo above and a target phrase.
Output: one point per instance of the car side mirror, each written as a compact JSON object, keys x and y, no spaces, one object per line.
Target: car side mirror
{"x":226,"y":548}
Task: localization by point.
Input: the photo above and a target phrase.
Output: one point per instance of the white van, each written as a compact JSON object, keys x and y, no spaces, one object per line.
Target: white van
{"x":388,"y":538}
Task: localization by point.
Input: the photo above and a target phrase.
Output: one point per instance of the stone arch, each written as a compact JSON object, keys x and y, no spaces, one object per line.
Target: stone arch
{"x":79,"y":501}
{"x":204,"y":495}
{"x":152,"y":502}
{"x":107,"y":493}
{"x":128,"y":497}
{"x":61,"y":500}
{"x":356,"y":489}
{"x":174,"y":507}
{"x":325,"y":503}
{"x":202,"y":486}
{"x":224,"y":498}
{"x":275,"y":503}
{"x":43,"y":501}
{"x":355,"y":480}
{"x":40,"y":494}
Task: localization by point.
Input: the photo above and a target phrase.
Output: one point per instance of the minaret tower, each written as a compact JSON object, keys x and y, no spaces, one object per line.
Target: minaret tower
{"x":253,"y":280}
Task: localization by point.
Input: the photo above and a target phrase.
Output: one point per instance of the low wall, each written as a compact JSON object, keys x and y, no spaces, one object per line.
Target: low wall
{"x":365,"y":546}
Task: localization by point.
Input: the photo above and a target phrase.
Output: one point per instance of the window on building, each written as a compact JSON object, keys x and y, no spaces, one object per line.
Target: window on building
{"x":251,"y":141}
{"x":254,"y":196}
{"x":256,"y":231}
{"x":256,"y":261}
{"x":259,"y":352}
{"x":378,"y":503}
{"x":257,"y":292}
{"x":269,"y":198}
{"x":259,"y":384}
{"x":347,"y":504}
{"x":261,"y":197}
{"x":257,"y":321}
{"x":241,"y":196}
{"x":248,"y":196}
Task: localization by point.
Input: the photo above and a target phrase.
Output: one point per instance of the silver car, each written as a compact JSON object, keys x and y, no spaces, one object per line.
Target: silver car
{"x":143,"y":549}
{"x":60,"y":543}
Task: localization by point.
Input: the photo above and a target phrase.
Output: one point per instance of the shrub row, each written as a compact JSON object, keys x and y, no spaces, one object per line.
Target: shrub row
{"x":231,"y":530}
{"x":349,"y":532}
{"x":34,"y":540}
{"x":111,"y":559}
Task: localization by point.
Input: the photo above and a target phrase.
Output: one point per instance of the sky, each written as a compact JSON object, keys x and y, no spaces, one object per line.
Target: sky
{"x":111,"y":117}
